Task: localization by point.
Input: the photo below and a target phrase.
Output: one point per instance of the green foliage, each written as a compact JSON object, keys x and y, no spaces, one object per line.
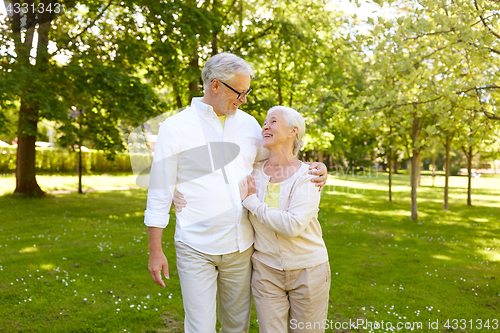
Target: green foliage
{"x":429,"y":76}
{"x":99,"y":73}
{"x":61,"y":160}
{"x":69,"y":181}
{"x":7,"y":160}
{"x":361,"y":86}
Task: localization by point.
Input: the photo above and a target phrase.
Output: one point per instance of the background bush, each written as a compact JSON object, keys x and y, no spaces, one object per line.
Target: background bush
{"x":63,"y":160}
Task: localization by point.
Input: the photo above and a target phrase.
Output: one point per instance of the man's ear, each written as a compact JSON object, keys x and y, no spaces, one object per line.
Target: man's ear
{"x":215,"y":85}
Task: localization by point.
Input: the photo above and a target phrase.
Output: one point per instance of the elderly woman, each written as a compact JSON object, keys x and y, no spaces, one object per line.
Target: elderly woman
{"x":291,"y":273}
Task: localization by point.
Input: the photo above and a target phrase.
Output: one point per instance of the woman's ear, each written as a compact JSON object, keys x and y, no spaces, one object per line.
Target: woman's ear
{"x":295,"y":130}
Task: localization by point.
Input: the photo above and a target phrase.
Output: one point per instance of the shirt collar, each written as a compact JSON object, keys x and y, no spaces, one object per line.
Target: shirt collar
{"x":202,"y":108}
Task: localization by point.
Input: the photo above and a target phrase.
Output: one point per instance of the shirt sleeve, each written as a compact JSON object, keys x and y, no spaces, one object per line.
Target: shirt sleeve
{"x":162,"y":180}
{"x":304,"y":205}
{"x":262,"y":153}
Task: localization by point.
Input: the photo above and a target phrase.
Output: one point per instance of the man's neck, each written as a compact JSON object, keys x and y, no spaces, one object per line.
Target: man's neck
{"x":207,"y":101}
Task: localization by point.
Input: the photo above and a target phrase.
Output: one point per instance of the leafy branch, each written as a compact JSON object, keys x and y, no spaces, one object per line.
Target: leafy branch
{"x":91,"y":24}
{"x":254,"y":38}
{"x":497,"y":35}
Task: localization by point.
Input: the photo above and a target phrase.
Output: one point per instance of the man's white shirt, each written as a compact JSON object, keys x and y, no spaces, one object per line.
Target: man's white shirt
{"x":205,"y":162}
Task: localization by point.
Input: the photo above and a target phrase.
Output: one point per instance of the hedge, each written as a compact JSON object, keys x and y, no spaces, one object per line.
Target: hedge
{"x":62,"y":160}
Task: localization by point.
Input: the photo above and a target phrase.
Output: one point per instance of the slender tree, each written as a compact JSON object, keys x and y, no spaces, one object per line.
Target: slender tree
{"x":71,"y":30}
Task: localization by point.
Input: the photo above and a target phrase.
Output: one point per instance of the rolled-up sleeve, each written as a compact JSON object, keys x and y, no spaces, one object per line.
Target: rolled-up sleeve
{"x":262,"y":153}
{"x":162,"y":181}
{"x":304,"y":203}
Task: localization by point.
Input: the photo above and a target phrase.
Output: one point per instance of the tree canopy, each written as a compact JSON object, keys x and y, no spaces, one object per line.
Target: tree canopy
{"x":373,"y":92}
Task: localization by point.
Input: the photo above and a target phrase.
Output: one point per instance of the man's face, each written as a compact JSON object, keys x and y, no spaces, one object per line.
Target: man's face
{"x":227,"y":100}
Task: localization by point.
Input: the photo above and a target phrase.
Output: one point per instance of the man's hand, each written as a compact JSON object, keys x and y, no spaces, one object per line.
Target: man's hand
{"x":247,"y":187}
{"x":179,"y":202}
{"x":157,"y":263}
{"x":319,"y":169}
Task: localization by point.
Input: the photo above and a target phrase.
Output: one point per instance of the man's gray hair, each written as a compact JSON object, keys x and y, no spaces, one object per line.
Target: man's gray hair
{"x":293,"y":118}
{"x":224,"y":66}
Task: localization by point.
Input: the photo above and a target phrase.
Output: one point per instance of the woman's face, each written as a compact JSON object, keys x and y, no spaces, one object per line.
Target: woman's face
{"x":276,"y":132}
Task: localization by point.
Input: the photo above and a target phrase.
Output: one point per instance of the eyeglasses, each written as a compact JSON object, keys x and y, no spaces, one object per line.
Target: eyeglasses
{"x":240,"y":94}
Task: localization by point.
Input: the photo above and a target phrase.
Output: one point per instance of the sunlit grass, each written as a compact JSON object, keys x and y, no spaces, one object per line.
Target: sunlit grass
{"x":443,"y":266}
{"x":78,"y":263}
{"x":70,"y":182}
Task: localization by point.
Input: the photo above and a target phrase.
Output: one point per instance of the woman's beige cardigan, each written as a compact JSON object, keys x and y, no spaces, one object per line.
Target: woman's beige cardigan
{"x":288,"y":237}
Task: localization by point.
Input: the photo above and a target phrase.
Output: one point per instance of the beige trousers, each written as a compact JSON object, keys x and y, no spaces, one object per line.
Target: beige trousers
{"x":301,"y":295}
{"x":204,"y":277}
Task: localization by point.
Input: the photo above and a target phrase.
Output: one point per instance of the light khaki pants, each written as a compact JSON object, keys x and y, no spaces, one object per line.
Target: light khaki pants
{"x":301,"y":295}
{"x":202,"y":277}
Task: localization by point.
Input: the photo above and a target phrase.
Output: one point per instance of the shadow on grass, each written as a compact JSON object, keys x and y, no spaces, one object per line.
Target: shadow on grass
{"x":73,"y":260}
{"x":75,"y":263}
{"x":380,"y":259}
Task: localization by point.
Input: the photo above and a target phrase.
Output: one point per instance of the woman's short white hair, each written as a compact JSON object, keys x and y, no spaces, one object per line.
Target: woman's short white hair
{"x":293,"y":119}
{"x":224,"y":66}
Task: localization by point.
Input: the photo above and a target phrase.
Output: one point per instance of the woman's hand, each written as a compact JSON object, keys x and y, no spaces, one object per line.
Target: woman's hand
{"x":179,"y":201}
{"x":251,"y":185}
{"x":247,"y":187}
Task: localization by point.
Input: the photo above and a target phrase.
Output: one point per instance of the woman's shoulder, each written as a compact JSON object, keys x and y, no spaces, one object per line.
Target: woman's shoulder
{"x":301,"y":185}
{"x":303,"y":172}
{"x":301,"y":175}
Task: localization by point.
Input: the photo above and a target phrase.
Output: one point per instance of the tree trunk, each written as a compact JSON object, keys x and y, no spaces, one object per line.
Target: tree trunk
{"x":390,"y":164}
{"x":469,"y":176}
{"x":433,"y":169}
{"x":390,"y":174}
{"x":415,"y":166}
{"x":178,"y":98}
{"x":80,"y":169}
{"x":214,"y":42}
{"x":395,"y":153}
{"x":447,"y":172}
{"x":214,"y":31}
{"x":415,"y":170}
{"x":26,"y":183}
{"x":280,"y":96}
{"x":321,"y":156}
{"x":307,"y":156}
{"x":194,"y":69}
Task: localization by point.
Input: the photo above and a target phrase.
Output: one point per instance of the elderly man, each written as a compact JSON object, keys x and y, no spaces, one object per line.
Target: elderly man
{"x":204,"y":152}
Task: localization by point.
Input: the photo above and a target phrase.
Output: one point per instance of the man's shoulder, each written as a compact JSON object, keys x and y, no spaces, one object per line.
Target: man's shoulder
{"x":245,"y":116}
{"x":247,"y":121}
{"x":177,"y":119}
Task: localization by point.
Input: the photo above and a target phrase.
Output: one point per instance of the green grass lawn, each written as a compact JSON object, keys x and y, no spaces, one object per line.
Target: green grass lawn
{"x":78,"y":263}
